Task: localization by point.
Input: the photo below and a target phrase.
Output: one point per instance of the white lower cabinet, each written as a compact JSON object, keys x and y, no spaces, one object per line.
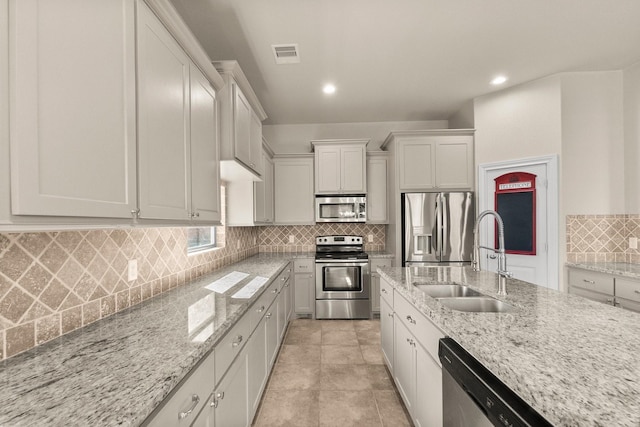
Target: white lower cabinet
{"x":410,"y":350}
{"x":375,"y":281}
{"x":188,"y":399}
{"x":225,"y":389}
{"x":304,"y":285}
{"x":386,"y":333}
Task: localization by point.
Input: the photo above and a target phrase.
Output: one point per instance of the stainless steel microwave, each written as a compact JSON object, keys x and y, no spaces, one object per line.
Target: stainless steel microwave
{"x":341,"y":208}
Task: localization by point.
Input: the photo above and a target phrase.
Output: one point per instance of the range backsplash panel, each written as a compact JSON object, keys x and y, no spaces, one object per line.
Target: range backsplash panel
{"x":277,"y":238}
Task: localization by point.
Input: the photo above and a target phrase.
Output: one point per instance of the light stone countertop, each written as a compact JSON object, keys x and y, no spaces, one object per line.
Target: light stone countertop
{"x":618,"y":268}
{"x":117,"y":371}
{"x":380,"y":254}
{"x":577,"y":362}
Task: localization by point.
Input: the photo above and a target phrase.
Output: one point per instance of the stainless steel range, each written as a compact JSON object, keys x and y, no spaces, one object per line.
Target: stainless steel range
{"x":342,"y":278}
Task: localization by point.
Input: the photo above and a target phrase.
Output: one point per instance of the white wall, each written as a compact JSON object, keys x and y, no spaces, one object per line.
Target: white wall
{"x":296,"y":138}
{"x":463,"y":118}
{"x":518,"y":122}
{"x":592,"y":143}
{"x":631,"y":90}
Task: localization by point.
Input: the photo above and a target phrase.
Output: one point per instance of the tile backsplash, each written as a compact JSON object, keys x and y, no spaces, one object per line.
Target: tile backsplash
{"x":52,"y":283}
{"x":602,"y":238}
{"x":277,"y":238}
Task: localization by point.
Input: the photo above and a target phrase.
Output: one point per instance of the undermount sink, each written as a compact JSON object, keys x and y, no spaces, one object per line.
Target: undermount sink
{"x":476,"y":304}
{"x":448,"y":291}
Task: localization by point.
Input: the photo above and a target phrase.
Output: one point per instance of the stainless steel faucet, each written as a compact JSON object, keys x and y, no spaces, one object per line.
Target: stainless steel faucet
{"x":502,"y":257}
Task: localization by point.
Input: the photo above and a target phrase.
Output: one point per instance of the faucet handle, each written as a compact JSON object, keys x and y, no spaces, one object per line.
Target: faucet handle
{"x":505,"y":273}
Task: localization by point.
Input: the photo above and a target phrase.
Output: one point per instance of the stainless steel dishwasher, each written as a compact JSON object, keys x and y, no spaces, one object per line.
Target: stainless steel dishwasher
{"x":474,"y":397}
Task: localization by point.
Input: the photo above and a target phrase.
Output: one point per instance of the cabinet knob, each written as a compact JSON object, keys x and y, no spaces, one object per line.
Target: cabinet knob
{"x":589,"y":281}
{"x":268,"y":315}
{"x":261,"y":309}
{"x":383,"y":290}
{"x":411,"y":320}
{"x":135,"y":213}
{"x":236,"y":342}
{"x":195,"y":399}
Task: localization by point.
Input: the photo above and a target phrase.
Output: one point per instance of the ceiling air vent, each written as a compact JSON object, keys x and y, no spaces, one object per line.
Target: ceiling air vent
{"x":286,"y":53}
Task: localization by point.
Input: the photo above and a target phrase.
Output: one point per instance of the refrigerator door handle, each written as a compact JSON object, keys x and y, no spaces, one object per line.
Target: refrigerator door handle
{"x":443,"y":215}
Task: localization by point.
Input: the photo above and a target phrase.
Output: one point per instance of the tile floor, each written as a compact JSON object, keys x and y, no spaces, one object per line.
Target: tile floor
{"x":331,"y":373}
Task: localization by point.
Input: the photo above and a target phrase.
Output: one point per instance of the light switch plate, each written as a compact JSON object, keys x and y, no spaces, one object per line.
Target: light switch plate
{"x":633,"y":243}
{"x":370,"y":238}
{"x":292,"y":238}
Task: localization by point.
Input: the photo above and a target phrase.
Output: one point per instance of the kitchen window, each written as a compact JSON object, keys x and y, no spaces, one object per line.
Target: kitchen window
{"x":200,"y":239}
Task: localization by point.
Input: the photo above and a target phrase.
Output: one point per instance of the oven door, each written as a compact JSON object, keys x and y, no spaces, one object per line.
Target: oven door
{"x":337,"y":279}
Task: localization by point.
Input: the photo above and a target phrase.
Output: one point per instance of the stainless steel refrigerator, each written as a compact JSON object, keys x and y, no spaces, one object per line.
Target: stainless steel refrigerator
{"x":437,"y":227}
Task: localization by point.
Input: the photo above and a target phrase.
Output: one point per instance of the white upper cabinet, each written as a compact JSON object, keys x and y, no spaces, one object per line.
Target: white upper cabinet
{"x":293,"y":184}
{"x":241,"y":117}
{"x":377,"y":207}
{"x":163,"y":108}
{"x":340,"y":166}
{"x":177,"y":138}
{"x":433,"y":159}
{"x":73,"y":108}
{"x":205,"y":167}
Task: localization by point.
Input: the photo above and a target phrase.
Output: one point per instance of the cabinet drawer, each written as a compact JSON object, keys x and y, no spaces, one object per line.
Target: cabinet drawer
{"x":386,"y":291}
{"x":304,"y":265}
{"x":284,"y":277}
{"x":628,"y":289}
{"x":259,"y":308}
{"x":227,"y":349}
{"x":592,"y":281}
{"x":628,"y":304}
{"x":593,"y":296}
{"x":427,"y":334}
{"x":379,"y":263}
{"x":190,"y":394}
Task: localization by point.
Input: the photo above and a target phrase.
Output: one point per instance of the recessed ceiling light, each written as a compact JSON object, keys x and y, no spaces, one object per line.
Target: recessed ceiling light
{"x":329,"y":89}
{"x":498,"y":80}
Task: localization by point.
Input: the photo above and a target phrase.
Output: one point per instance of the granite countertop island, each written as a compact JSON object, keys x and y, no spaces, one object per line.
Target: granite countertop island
{"x":117,"y":371}
{"x":575,"y":361}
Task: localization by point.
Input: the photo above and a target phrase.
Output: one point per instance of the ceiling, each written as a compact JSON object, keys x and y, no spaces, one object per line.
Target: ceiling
{"x":397,"y":60}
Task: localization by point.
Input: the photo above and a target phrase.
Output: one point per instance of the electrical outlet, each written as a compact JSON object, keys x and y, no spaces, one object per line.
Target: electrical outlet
{"x":132,"y":271}
{"x":292,"y":238}
{"x":633,"y":243}
{"x":370,"y":238}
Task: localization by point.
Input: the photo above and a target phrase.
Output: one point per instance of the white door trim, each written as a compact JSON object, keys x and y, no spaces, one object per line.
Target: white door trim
{"x":551,"y":163}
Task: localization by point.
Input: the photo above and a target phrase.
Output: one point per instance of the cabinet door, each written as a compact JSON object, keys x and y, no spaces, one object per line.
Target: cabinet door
{"x":232,"y":395}
{"x":428,"y":412}
{"x":271,"y":326}
{"x":454,"y":163}
{"x":259,"y":195}
{"x":255,"y":144}
{"x":387,"y":333}
{"x":377,"y":210}
{"x":304,"y":295}
{"x":163,"y":108}
{"x":327,"y":170}
{"x":267,"y":178}
{"x":282,"y":314}
{"x":353,"y":170}
{"x":73,"y":108}
{"x":205,"y":172}
{"x":293,"y":187}
{"x":404,"y":364}
{"x":257,"y":369}
{"x":241,"y":126}
{"x":416,"y":158}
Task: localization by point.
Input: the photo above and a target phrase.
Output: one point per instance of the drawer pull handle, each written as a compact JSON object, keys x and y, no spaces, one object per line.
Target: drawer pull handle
{"x":261,"y":309}
{"x":268,"y":315}
{"x":589,"y":281}
{"x":237,"y":342}
{"x":609,"y":300}
{"x":220,"y":395}
{"x":384,"y":290}
{"x":390,"y":314}
{"x":195,"y":399}
{"x":275,"y":291}
{"x":410,"y":319}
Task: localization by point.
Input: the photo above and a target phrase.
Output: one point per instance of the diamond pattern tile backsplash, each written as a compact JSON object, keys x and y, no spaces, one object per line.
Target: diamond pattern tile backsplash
{"x":602,"y":238}
{"x":277,"y":239}
{"x":52,"y":283}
